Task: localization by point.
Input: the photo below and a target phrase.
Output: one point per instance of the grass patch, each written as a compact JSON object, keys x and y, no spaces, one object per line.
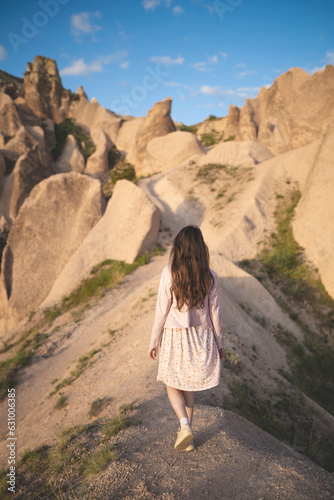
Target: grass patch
{"x":83,"y":362}
{"x":61,"y":403}
{"x":106,"y":275}
{"x":232,"y":361}
{"x":121,"y":169}
{"x":284,"y":416}
{"x":51,"y":313}
{"x":211,"y":138}
{"x":67,"y":127}
{"x":210,"y":171}
{"x":283,"y":261}
{"x":311,"y":360}
{"x":78,"y":454}
{"x":10,"y":367}
{"x":189,"y":128}
{"x":98,"y":405}
{"x":119,"y":423}
{"x":99,"y":461}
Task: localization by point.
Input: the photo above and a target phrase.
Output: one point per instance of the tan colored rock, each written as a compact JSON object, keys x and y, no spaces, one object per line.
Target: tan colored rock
{"x":27,"y":116}
{"x":313,"y":221}
{"x":293,"y":112}
{"x":28,"y":172}
{"x":165,"y":152}
{"x":232,"y":122}
{"x":27,"y":138}
{"x":97,"y":163}
{"x":215,"y":126}
{"x":71,"y":160}
{"x":51,"y":225}
{"x":129,"y":227}
{"x":127,"y":136}
{"x":91,"y":115}
{"x":43,"y":90}
{"x":81,"y":93}
{"x":9,"y":118}
{"x":157,"y":123}
{"x":234,"y":153}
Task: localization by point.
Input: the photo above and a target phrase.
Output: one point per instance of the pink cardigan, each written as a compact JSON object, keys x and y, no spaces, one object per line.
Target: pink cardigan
{"x":168,"y":316}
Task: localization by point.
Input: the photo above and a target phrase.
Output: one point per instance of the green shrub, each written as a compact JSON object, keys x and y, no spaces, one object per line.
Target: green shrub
{"x":114,"y":157}
{"x":123,"y":170}
{"x":67,"y":127}
{"x":189,"y":128}
{"x":10,"y":164}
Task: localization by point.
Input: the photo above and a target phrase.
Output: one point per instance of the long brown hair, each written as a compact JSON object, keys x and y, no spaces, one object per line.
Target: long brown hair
{"x":189,"y":260}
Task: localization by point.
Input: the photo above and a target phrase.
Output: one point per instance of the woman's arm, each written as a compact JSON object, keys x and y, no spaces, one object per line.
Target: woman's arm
{"x":215,"y":315}
{"x":164,"y":301}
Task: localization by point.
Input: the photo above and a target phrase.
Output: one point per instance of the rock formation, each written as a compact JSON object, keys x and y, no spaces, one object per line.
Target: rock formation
{"x":43,"y":90}
{"x":128,"y":228}
{"x":165,"y":152}
{"x":294,"y":111}
{"x":157,"y":123}
{"x":91,"y":115}
{"x":127,"y":137}
{"x":97,"y":163}
{"x":51,"y":225}
{"x":313,"y":222}
{"x":10,"y":85}
{"x":9,"y":119}
{"x":213,"y":126}
{"x":28,"y":172}
{"x":70,"y":160}
{"x":237,"y":154}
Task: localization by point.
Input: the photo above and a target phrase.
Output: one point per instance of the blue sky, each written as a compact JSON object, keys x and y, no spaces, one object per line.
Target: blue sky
{"x":205,"y":54}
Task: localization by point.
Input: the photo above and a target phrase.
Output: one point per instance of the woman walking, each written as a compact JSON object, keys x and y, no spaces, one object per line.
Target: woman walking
{"x":188,"y":328}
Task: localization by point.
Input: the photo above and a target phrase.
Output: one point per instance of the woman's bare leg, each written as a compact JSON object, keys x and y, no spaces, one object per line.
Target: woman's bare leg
{"x":189,"y":398}
{"x":177,"y":400}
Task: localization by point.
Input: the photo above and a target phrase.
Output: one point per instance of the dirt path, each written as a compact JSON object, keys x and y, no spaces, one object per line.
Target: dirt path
{"x":233,"y":460}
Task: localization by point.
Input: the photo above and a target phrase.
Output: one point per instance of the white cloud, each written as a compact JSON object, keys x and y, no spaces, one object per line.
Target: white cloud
{"x":219,"y":92}
{"x":79,"y":67}
{"x":240,"y":65}
{"x":3,"y":53}
{"x":208,"y":105}
{"x":201,"y":66}
{"x":81,"y":24}
{"x":178,"y":10}
{"x":167,"y":60}
{"x":213,"y":59}
{"x":152,"y":4}
{"x":204,"y":66}
{"x":330,"y":57}
{"x":124,"y":65}
{"x":242,"y":74}
{"x":173,"y":84}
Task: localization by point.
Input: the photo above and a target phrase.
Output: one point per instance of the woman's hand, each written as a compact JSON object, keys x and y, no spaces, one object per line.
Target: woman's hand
{"x":153,"y":353}
{"x":221,"y":353}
